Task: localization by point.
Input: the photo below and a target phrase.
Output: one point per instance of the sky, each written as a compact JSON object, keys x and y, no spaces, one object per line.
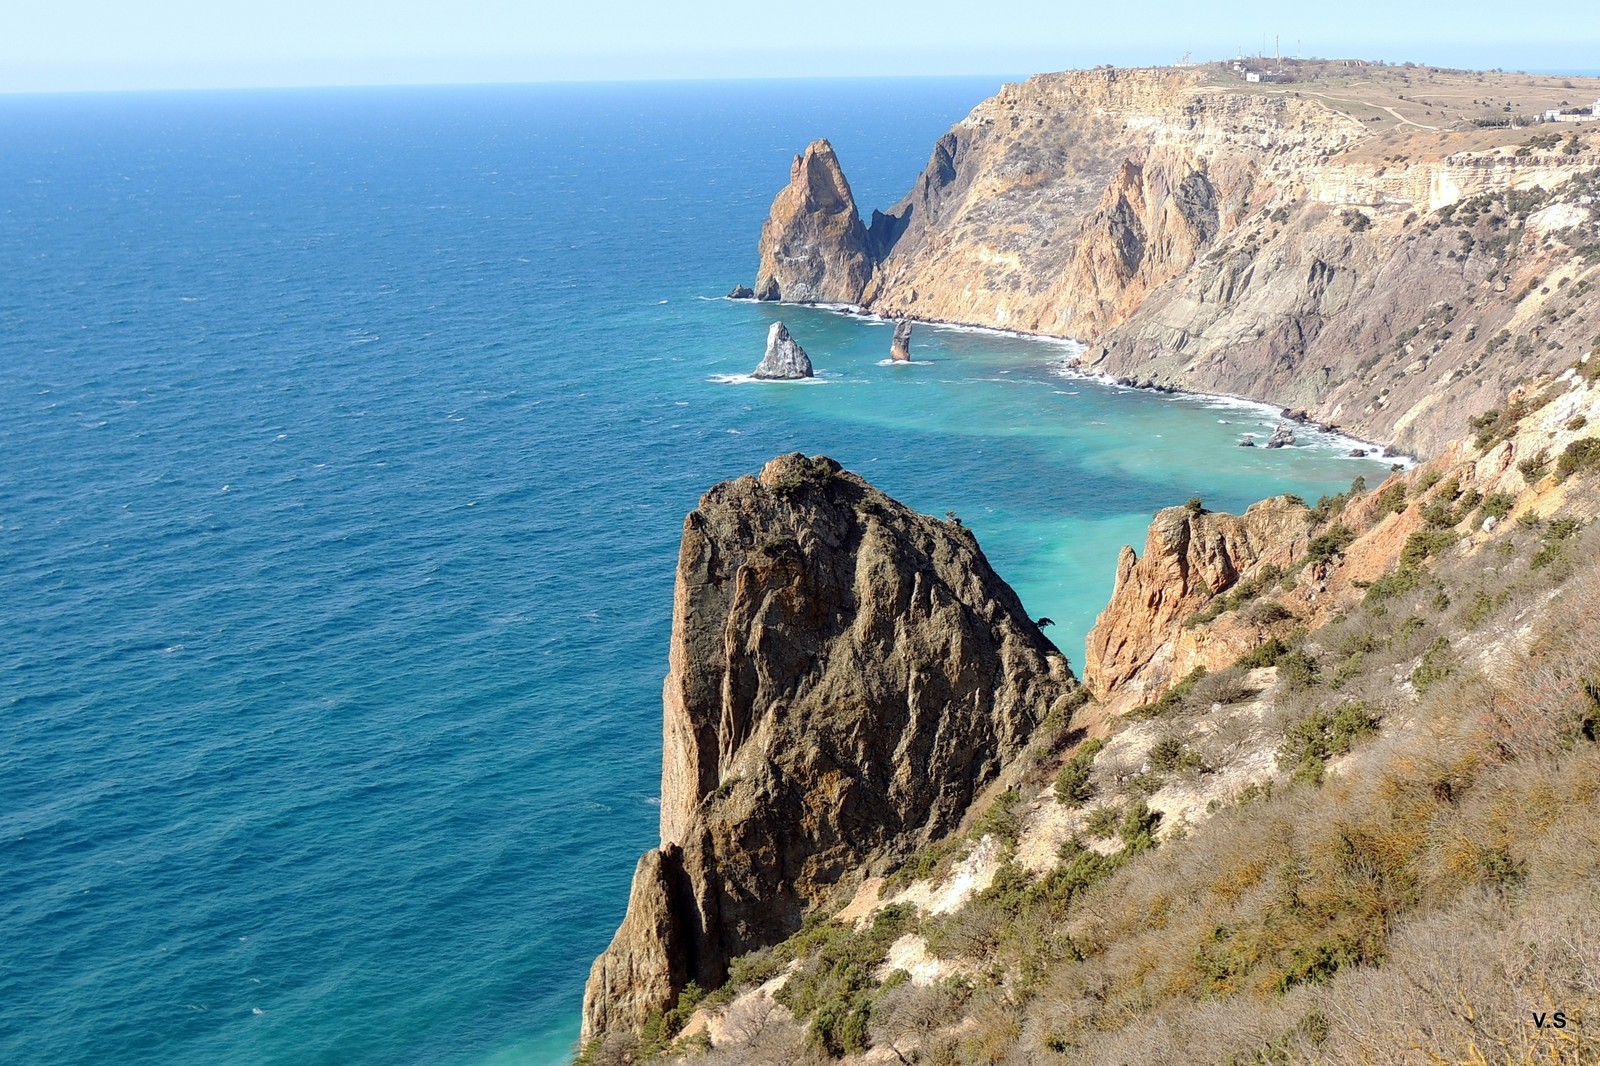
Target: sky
{"x":76,"y":45}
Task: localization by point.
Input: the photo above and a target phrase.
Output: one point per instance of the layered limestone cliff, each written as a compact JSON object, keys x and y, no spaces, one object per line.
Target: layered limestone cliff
{"x":1247,"y":240}
{"x":845,"y":676}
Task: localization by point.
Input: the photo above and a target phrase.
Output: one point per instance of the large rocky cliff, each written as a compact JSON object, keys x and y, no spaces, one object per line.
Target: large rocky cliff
{"x":845,"y":676}
{"x":1266,"y":241}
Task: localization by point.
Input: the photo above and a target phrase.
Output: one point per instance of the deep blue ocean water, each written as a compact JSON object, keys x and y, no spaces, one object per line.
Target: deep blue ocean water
{"x":345,"y":438}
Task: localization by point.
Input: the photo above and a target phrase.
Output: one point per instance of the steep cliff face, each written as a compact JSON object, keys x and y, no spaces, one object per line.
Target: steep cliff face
{"x":1239,"y":239}
{"x":844,"y":676}
{"x":1140,"y":644}
{"x":814,"y":248}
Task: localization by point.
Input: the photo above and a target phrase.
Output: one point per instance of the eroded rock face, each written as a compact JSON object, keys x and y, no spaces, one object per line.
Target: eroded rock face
{"x":785,"y":359}
{"x":900,"y":346}
{"x":814,"y":248}
{"x":1222,"y":239}
{"x":1139,"y":645}
{"x":844,"y":676}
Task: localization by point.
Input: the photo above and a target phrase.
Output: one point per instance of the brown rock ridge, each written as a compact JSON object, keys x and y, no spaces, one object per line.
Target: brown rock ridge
{"x":845,"y":676}
{"x":1140,"y":644}
{"x":1241,"y":239}
{"x":1149,"y":638}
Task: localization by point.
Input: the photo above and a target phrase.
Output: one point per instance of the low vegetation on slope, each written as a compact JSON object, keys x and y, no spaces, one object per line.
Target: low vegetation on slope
{"x":1375,"y":838}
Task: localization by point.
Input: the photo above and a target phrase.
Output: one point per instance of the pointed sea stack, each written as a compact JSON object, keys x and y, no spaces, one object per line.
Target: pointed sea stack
{"x":845,"y":677}
{"x":814,"y":248}
{"x":900,"y":347}
{"x":785,"y":360}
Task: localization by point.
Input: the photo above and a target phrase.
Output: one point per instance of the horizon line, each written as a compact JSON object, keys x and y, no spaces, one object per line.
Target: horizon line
{"x":1588,"y":72}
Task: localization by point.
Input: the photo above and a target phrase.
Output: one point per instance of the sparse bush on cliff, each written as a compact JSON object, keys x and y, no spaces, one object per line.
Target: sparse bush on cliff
{"x":1322,"y":735}
{"x":1240,"y":594}
{"x":836,"y":987}
{"x":1265,"y":654}
{"x":1391,"y":500}
{"x":1555,"y":537}
{"x":1354,"y":220}
{"x":1498,"y":504}
{"x":1534,"y":467}
{"x":1325,"y":546}
{"x":1296,"y":671}
{"x":1171,"y":755}
{"x":1581,"y":455}
{"x":1073,"y":786}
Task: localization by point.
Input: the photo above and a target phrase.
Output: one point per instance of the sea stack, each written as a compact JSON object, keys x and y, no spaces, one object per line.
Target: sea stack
{"x":900,"y":347}
{"x":845,"y":677}
{"x":785,"y":360}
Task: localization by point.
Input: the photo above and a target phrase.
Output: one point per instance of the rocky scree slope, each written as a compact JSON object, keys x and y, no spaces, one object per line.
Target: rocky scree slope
{"x":1218,"y":239}
{"x":845,"y":677}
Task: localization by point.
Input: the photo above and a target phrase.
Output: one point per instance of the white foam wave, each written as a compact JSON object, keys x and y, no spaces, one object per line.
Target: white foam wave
{"x":749,"y":379}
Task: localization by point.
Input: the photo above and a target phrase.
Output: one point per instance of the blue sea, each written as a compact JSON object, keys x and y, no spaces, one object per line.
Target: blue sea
{"x":345,"y":440}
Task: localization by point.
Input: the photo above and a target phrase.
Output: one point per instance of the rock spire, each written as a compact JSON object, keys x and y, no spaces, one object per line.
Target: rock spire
{"x":785,"y":359}
{"x":845,"y":675}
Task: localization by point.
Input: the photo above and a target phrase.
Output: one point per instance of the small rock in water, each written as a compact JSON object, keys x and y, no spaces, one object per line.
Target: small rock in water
{"x":741,"y":292}
{"x":900,"y":347}
{"x":1281,"y":437}
{"x":1247,"y":443}
{"x":1358,"y":453}
{"x":785,"y":360}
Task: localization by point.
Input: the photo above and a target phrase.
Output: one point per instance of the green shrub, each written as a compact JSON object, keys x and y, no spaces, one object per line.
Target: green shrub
{"x":1001,"y":820}
{"x":1323,"y":735}
{"x":1534,"y":467}
{"x":835,"y":988}
{"x":1390,"y":500}
{"x":1429,"y":541}
{"x":1138,"y":828}
{"x":1482,"y":607}
{"x":1171,"y":755}
{"x":1436,"y":665}
{"x":1324,"y":547}
{"x":1297,"y":671}
{"x":1266,"y":654}
{"x":1498,"y":504}
{"x":1581,"y":455}
{"x":1406,"y":579}
{"x":1073,"y":786}
{"x":1172,"y":699}
{"x":1555,"y":536}
{"x":1103,"y":821}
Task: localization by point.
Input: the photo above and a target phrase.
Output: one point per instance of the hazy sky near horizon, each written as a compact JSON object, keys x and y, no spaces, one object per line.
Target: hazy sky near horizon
{"x":167,"y":44}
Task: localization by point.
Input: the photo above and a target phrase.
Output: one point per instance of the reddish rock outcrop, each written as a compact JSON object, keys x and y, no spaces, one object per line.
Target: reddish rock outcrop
{"x":1140,"y":644}
{"x":845,"y":676}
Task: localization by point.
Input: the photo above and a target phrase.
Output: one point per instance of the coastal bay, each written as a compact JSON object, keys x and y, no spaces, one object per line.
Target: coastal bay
{"x":349,"y":438}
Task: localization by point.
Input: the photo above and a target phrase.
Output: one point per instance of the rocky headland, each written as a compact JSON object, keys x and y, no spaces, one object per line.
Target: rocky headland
{"x":1271,"y":241}
{"x":845,"y":678}
{"x":1326,"y":755}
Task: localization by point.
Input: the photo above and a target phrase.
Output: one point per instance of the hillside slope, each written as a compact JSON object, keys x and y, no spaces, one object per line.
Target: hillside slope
{"x":1352,"y":819}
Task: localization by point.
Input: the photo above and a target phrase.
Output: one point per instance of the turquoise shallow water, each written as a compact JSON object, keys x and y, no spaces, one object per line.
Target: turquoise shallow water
{"x":345,"y":441}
